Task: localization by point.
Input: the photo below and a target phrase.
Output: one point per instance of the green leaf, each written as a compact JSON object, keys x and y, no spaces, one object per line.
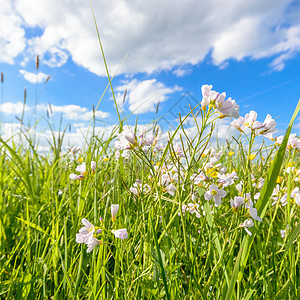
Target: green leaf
{"x":33,"y":225}
{"x":234,"y":276}
{"x":291,"y":239}
{"x":26,"y":286}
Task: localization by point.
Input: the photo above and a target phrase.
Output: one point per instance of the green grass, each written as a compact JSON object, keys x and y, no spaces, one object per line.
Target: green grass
{"x":166,"y":255}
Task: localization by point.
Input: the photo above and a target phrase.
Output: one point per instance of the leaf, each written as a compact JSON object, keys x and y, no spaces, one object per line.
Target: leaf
{"x":33,"y":225}
{"x":26,"y":286}
{"x":234,"y":276}
{"x":291,"y":239}
{"x":282,"y":293}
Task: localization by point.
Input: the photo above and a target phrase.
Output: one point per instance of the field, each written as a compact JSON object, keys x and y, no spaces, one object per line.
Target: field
{"x":139,"y":216}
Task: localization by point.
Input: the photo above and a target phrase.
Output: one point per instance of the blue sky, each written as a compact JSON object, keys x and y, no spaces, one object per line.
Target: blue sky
{"x":250,"y":50}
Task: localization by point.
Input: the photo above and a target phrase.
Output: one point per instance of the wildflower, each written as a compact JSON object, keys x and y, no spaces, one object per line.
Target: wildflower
{"x":215,"y":194}
{"x":227,"y":108}
{"x":236,"y":203}
{"x":76,"y":177}
{"x":206,"y":93}
{"x":295,"y":194}
{"x":86,"y":232}
{"x":238,"y":123}
{"x":252,"y":156}
{"x":93,"y":167}
{"x":248,"y":223}
{"x":269,"y":125}
{"x":283,"y":233}
{"x":230,"y":153}
{"x":81,"y":168}
{"x":253,"y":214}
{"x":194,"y":209}
{"x":114,"y":211}
{"x":139,"y":188}
{"x":73,"y":151}
{"x":198,"y":178}
{"x":171,"y":189}
{"x":92,"y":243}
{"x":120,"y":233}
{"x":239,"y":187}
{"x":227,"y":179}
{"x":253,"y":211}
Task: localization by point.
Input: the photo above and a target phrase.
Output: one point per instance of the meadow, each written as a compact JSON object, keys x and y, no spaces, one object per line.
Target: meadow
{"x":142,"y":213}
{"x":139,"y":216}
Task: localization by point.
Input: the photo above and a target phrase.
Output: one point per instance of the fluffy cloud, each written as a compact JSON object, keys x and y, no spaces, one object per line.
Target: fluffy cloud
{"x":34,"y":78}
{"x":12,"y":35}
{"x":158,"y":35}
{"x":143,"y":96}
{"x":13,"y":108}
{"x":73,"y":112}
{"x":43,"y":138}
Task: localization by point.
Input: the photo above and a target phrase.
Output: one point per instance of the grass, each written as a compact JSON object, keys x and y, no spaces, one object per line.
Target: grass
{"x":167,"y":254}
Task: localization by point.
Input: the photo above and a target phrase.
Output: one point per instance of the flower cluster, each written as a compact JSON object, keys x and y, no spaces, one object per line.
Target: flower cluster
{"x":206,"y":178}
{"x":90,"y":234}
{"x":128,"y":139}
{"x":226,"y":108}
{"x":249,"y":122}
{"x":83,"y":172}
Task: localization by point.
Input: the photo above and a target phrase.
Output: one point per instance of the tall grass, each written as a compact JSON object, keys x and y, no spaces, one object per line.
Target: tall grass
{"x":168,"y":253}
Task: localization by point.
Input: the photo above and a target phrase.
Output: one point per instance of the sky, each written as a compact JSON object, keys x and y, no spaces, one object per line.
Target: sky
{"x":158,"y":51}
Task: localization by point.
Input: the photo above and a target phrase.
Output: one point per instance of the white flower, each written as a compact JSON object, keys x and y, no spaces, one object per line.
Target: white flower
{"x":206,"y":91}
{"x":253,"y":214}
{"x":238,"y":123}
{"x":269,"y":125}
{"x":215,"y":194}
{"x":81,"y":168}
{"x":73,"y":151}
{"x":227,"y":108}
{"x":248,"y":223}
{"x":171,"y":189}
{"x":293,"y":142}
{"x":197,"y":178}
{"x":283,"y":199}
{"x":120,"y":233}
{"x":194,"y":209}
{"x":227,"y":179}
{"x":86,"y":232}
{"x":76,"y":177}
{"x":93,"y":166}
{"x":114,"y":211}
{"x":237,"y":202}
{"x":239,"y":187}
{"x":283,"y":233}
{"x":92,"y":243}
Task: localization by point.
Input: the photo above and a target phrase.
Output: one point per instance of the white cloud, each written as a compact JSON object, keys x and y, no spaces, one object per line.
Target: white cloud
{"x":74,"y":112}
{"x":34,"y":78}
{"x":143,"y":96}
{"x":13,"y":108}
{"x":43,"y":138}
{"x":12,"y":35}
{"x":180,"y":72}
{"x":158,"y":35}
